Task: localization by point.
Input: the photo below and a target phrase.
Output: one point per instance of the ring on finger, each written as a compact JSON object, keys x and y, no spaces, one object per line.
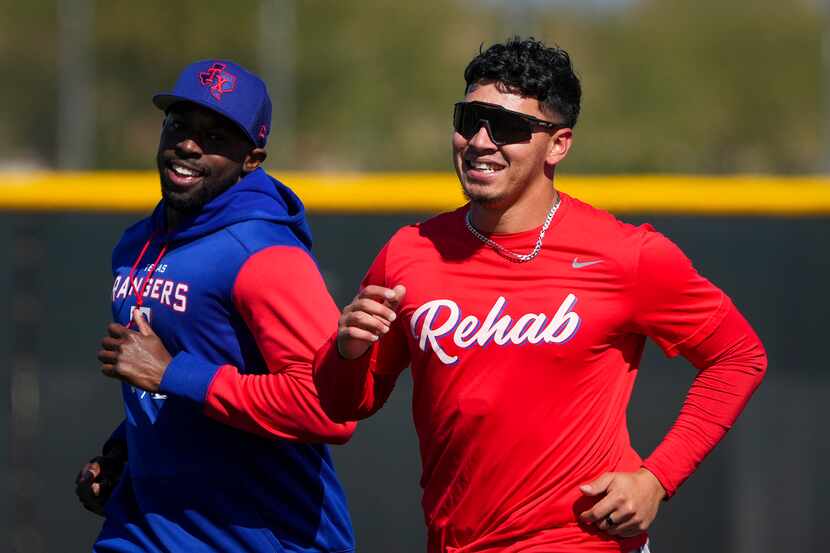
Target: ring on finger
{"x":610,"y":521}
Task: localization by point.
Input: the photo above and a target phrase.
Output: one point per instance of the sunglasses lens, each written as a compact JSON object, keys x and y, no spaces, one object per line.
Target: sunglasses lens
{"x":510,"y":128}
{"x":458,"y":120}
{"x":504,"y":127}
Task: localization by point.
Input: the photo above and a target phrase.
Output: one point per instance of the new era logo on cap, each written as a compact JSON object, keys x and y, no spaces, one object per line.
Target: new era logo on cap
{"x":228,"y":89}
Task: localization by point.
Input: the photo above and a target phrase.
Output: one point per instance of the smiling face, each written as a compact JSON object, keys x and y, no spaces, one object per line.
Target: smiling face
{"x":201,"y":154}
{"x":499,"y":177}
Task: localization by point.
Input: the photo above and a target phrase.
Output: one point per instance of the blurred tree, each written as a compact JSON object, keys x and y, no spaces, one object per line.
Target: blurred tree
{"x":699,"y":86}
{"x":28,"y":59}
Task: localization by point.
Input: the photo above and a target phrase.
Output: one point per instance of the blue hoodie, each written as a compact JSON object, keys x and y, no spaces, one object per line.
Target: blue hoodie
{"x":224,"y":457}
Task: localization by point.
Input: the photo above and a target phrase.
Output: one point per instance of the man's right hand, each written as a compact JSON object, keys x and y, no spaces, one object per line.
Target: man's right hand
{"x":367,"y":318}
{"x":98,"y":478}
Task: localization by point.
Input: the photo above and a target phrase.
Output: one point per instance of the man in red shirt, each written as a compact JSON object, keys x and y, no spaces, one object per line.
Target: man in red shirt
{"x":523,"y":316}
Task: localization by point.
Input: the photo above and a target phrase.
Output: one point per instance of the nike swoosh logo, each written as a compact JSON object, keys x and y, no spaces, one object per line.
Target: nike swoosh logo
{"x":577,"y":264}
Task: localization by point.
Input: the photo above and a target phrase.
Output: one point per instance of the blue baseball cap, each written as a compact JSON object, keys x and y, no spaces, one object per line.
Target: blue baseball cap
{"x":228,"y":89}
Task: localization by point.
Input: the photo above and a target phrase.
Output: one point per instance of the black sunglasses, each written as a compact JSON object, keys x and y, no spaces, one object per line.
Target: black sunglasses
{"x":503,"y":125}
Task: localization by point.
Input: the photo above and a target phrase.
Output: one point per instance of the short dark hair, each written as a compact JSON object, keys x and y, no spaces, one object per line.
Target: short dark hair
{"x":532,"y":69}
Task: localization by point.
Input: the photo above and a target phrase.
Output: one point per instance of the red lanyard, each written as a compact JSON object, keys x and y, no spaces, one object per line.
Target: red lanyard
{"x":139,"y":294}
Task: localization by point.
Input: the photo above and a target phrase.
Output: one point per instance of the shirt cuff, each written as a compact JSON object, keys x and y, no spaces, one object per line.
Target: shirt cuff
{"x":668,"y":484}
{"x":188,"y":376}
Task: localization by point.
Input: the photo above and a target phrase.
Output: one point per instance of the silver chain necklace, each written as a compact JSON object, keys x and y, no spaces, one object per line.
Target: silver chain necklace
{"x":509,"y":254}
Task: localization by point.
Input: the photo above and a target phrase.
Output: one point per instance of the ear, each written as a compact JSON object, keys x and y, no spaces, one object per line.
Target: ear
{"x":559,"y":145}
{"x":253,"y":159}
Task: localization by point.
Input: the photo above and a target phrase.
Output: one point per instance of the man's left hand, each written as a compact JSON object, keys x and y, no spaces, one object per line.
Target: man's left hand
{"x":138,"y":358}
{"x":629,"y":505}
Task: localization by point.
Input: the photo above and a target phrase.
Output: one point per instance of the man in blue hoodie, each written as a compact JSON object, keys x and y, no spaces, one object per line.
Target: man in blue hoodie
{"x":219,"y":307}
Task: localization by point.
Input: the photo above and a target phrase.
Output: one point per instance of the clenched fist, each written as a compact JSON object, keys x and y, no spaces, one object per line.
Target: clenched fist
{"x":367,"y":319}
{"x":138,"y":358}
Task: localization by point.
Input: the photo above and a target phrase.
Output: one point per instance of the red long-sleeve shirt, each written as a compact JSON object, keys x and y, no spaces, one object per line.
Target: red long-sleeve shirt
{"x":522,"y":372}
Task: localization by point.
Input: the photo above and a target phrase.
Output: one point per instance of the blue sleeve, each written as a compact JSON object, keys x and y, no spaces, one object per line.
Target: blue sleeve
{"x":188,"y":376}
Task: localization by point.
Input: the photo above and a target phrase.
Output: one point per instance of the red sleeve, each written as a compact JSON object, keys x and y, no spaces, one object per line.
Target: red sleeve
{"x":674,"y":305}
{"x":355,"y":389}
{"x":284,"y":302}
{"x":732,"y":362}
{"x":686,"y":314}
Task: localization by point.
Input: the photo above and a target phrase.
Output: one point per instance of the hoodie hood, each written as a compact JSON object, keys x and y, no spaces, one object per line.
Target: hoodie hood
{"x":256,"y":196}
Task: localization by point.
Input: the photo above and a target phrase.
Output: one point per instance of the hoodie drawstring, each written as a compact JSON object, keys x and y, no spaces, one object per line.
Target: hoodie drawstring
{"x":139,"y":294}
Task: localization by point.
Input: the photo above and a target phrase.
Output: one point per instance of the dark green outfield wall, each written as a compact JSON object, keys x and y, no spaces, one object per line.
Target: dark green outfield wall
{"x":763,"y":490}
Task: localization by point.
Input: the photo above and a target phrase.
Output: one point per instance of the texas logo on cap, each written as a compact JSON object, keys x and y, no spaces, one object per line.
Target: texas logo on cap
{"x":219,"y":80}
